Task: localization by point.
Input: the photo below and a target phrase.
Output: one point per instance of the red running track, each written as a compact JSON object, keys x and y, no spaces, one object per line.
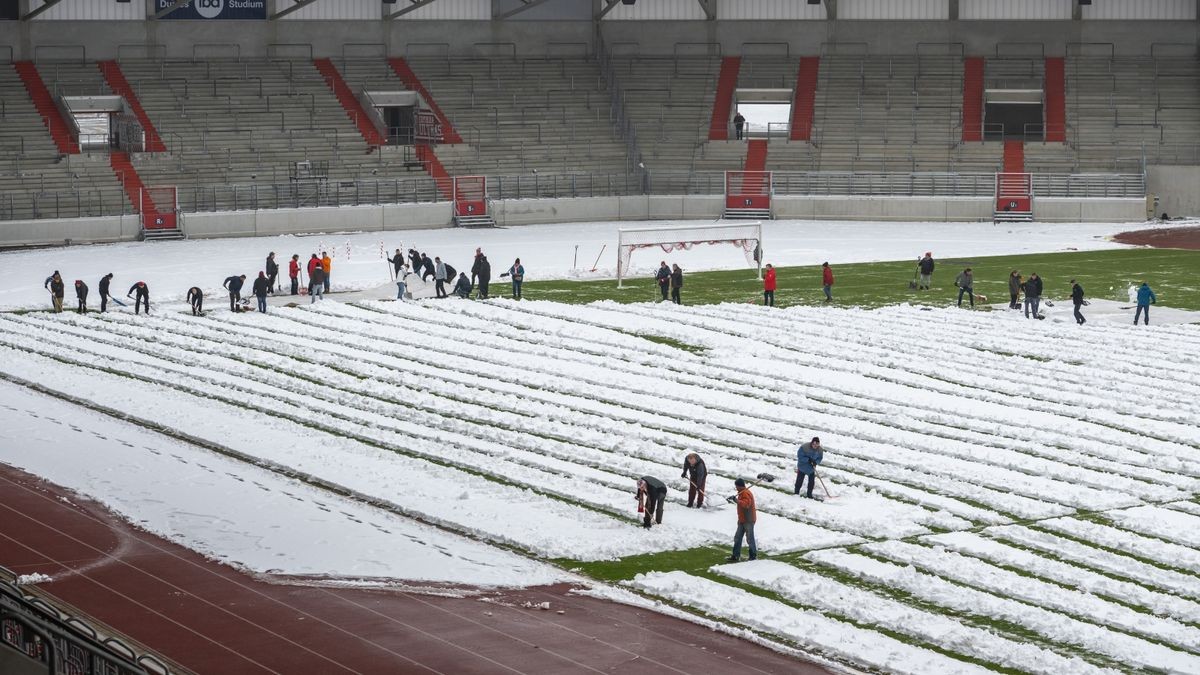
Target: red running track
{"x":210,"y":618}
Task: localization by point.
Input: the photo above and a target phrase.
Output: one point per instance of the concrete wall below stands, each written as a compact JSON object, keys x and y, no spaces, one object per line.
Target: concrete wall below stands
{"x":391,"y":217}
{"x":1176,"y":188}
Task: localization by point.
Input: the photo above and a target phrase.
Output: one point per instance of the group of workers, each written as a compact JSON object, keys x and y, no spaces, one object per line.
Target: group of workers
{"x":651,"y":493}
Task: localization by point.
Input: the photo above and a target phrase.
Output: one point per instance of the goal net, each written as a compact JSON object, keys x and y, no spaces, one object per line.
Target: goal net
{"x":747,"y":236}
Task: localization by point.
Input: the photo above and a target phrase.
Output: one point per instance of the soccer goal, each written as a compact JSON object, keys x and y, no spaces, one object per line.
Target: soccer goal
{"x":746,"y":236}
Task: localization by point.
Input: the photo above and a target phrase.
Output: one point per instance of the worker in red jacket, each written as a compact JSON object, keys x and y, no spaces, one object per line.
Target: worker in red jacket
{"x":769,"y":286}
{"x":313,"y":263}
{"x":827,"y":281}
{"x":294,"y":273}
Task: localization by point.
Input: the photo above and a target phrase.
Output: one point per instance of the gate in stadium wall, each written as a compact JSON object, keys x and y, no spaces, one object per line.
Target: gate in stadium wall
{"x":748,"y":195}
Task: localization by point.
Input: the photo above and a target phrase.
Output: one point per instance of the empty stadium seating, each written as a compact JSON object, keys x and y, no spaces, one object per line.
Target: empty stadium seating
{"x":235,"y":131}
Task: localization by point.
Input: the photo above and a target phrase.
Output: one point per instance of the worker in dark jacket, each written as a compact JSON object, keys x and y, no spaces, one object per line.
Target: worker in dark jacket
{"x":463,"y":288}
{"x":54,"y":284}
{"x":1078,"y":301}
{"x":234,"y":285}
{"x":1033,"y":295}
{"x":104,"y":282}
{"x":663,"y":277}
{"x":195,"y":298}
{"x":925,"y":267}
{"x":482,"y":270}
{"x":676,"y":283}
{"x":81,"y":293}
{"x":696,"y":473}
{"x":651,"y":494}
{"x":272,"y":272}
{"x":427,"y":268}
{"x":966,"y":286}
{"x":142,"y":298}
{"x":1015,"y":283}
{"x":262,"y":286}
{"x":807,"y":458}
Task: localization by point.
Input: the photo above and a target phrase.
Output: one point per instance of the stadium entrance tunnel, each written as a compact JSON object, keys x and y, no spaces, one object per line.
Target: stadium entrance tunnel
{"x":768,"y":112}
{"x":1013,"y":114}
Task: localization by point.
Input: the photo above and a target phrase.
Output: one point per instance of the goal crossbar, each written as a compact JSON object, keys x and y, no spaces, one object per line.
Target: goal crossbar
{"x":747,"y":236}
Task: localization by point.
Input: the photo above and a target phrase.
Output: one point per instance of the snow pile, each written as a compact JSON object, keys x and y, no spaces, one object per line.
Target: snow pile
{"x":35,"y":578}
{"x":1002,"y":493}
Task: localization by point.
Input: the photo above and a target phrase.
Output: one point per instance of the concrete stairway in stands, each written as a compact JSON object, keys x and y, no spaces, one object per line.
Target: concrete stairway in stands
{"x":718,"y":129}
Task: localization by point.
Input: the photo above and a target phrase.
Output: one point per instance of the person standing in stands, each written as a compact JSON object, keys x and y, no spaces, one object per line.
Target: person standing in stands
{"x":769,"y":286}
{"x":663,"y":277}
{"x":827,"y":281}
{"x":294,"y":273}
{"x":272,"y":272}
{"x":747,"y":515}
{"x":925,"y":267}
{"x":143,"y":296}
{"x":262,"y":286}
{"x":517,"y":274}
{"x":81,"y":293}
{"x":195,"y":298}
{"x":739,"y":125}
{"x":439,"y":278}
{"x":327,"y":267}
{"x":233,"y":284}
{"x":1078,"y":301}
{"x":697,"y":474}
{"x":1145,"y":298}
{"x":54,"y":284}
{"x":482,"y":270}
{"x":651,"y":495}
{"x":104,"y":282}
{"x":318,"y":285}
{"x":966,"y":285}
{"x":313,"y":263}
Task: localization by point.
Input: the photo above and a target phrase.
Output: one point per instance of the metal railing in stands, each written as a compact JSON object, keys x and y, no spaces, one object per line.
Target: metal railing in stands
{"x":352,"y":192}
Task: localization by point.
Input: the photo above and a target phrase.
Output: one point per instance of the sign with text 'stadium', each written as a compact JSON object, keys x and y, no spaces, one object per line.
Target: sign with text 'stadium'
{"x":10,"y":9}
{"x":214,"y":9}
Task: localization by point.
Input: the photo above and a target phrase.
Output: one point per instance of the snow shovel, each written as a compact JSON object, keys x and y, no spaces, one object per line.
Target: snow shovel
{"x":760,"y":478}
{"x":912,"y":285}
{"x":823,"y":486}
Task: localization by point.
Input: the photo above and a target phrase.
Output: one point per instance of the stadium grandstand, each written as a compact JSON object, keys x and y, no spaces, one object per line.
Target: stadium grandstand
{"x":397,"y":480}
{"x":121,"y":121}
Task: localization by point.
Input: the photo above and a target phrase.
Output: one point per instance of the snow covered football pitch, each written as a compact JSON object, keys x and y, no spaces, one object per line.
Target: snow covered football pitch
{"x":1008,"y":495}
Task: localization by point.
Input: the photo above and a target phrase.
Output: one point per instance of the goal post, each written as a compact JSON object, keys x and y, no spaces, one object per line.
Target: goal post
{"x":746,"y":236}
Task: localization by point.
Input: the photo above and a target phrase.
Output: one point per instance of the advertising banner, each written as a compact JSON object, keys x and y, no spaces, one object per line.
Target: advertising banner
{"x":214,"y":9}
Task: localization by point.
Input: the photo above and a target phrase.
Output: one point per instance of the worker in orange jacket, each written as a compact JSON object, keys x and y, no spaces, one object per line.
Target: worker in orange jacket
{"x":327,"y":265}
{"x":747,"y":515}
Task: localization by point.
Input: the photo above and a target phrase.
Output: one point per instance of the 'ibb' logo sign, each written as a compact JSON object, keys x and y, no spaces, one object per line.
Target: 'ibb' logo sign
{"x":209,"y":9}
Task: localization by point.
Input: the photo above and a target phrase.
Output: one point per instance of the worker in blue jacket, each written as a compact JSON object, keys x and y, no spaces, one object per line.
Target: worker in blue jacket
{"x":807,"y":458}
{"x":1145,"y":299}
